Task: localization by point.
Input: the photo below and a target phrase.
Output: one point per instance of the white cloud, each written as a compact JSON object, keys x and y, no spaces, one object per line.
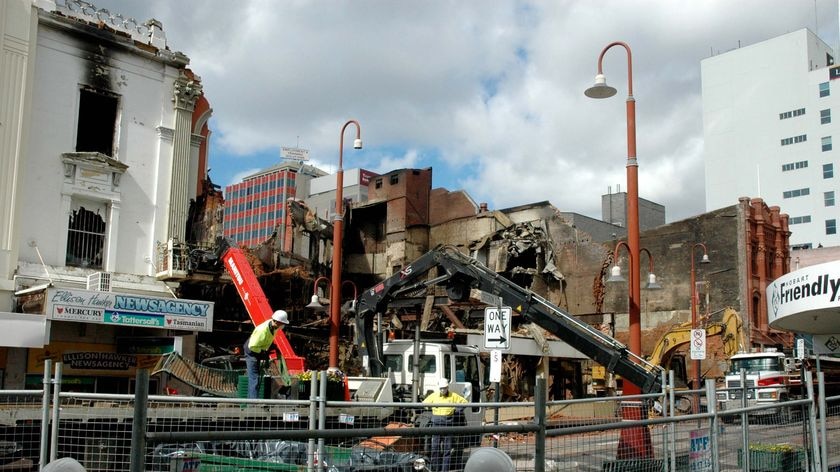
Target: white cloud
{"x":491,"y":87}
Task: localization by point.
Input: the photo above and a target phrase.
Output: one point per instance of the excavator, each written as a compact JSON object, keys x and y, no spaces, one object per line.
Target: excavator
{"x":667,"y":354}
{"x":459,"y":273}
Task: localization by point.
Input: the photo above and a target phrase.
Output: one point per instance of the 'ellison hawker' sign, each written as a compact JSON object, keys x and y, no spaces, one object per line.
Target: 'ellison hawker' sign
{"x":806,"y":301}
{"x":129,"y":310}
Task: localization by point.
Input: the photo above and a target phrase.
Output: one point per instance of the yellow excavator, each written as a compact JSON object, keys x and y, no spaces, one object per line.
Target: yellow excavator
{"x":725,"y":324}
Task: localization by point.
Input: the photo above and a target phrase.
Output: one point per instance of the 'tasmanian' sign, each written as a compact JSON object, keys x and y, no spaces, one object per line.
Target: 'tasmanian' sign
{"x":807,"y":300}
{"x":129,"y":310}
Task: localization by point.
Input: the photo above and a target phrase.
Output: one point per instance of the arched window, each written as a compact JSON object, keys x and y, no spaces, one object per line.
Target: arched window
{"x":85,"y":238}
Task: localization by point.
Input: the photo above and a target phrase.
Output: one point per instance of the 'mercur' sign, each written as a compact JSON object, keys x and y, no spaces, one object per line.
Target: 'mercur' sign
{"x":497,"y":328}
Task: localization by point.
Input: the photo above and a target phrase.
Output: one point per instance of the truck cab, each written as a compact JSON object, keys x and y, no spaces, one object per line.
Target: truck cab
{"x":457,"y":363}
{"x":769,"y":376}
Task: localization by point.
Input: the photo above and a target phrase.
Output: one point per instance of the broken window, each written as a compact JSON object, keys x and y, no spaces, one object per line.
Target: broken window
{"x":85,"y":238}
{"x":97,"y":122}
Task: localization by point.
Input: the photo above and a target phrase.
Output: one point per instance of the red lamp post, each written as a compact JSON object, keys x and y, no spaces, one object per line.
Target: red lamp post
{"x":338,"y":236}
{"x":634,"y":442}
{"x":602,"y":90}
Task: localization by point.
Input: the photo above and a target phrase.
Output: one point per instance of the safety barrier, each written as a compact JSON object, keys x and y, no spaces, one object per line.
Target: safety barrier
{"x":644,"y":432}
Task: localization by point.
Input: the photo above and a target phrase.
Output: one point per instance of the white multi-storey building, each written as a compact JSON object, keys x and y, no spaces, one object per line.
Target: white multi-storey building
{"x":768,"y":128}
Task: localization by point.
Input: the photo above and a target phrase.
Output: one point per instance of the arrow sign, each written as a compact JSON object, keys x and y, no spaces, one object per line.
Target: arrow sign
{"x":497,"y":328}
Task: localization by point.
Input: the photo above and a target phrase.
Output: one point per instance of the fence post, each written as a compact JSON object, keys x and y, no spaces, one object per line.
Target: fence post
{"x":668,"y":445}
{"x":539,"y":417}
{"x":745,"y":429}
{"x":714,"y":421}
{"x":45,"y":416}
{"x":55,"y":412}
{"x":310,"y":445}
{"x":138,"y":426}
{"x":812,"y":421}
{"x":322,"y":416}
{"x":823,"y":416}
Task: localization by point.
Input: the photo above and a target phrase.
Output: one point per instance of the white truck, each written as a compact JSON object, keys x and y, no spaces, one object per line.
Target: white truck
{"x":771,"y":378}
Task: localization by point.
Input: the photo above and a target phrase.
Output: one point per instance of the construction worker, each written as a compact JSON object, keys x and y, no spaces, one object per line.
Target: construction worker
{"x":441,"y":452}
{"x":257,"y":346}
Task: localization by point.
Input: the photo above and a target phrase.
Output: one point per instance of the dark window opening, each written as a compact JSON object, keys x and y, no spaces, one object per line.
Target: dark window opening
{"x":378,"y":183}
{"x":395,"y":179}
{"x":97,"y":121}
{"x":85,"y":239}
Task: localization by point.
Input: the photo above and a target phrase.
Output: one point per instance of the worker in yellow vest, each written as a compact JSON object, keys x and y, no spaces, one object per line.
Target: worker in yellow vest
{"x":257,"y":346}
{"x":443,"y":415}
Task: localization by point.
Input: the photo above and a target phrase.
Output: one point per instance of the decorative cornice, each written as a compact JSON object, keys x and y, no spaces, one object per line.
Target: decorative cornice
{"x":186,"y":93}
{"x":93,"y":160}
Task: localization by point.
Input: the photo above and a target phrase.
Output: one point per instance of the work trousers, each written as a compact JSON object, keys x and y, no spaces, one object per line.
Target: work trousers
{"x":442,"y":445}
{"x":252,"y":364}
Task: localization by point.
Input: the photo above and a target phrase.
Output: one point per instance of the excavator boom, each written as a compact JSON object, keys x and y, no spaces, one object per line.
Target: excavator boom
{"x":459,"y":273}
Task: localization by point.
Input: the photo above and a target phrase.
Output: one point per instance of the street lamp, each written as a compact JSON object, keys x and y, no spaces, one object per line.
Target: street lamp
{"x":602,"y":90}
{"x":693,"y":288}
{"x":315,"y":303}
{"x":338,"y":220}
{"x":634,"y":442}
{"x":615,"y":272}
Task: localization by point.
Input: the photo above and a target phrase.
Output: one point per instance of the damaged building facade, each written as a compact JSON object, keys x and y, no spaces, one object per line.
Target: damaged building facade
{"x":542,"y":248}
{"x":104,"y":146}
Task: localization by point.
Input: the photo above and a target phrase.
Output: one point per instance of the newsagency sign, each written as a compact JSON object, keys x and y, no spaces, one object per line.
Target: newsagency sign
{"x":129,"y":310}
{"x":806,"y":301}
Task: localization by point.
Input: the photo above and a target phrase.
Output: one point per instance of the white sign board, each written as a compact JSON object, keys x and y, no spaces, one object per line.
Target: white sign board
{"x":698,"y":344}
{"x":800,"y":348}
{"x":807,"y":300}
{"x":826,"y":343}
{"x":700,"y":453}
{"x":497,"y":328}
{"x":296,"y":154}
{"x":123,"y":309}
{"x":495,"y":365}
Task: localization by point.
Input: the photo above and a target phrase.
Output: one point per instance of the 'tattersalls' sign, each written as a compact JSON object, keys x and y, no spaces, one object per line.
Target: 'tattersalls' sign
{"x":129,"y":310}
{"x":806,"y":301}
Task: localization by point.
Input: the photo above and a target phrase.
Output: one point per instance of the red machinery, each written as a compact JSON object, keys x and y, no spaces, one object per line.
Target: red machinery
{"x":255,"y":301}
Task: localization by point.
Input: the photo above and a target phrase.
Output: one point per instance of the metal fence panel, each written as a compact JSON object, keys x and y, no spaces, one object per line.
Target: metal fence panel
{"x":596,"y":434}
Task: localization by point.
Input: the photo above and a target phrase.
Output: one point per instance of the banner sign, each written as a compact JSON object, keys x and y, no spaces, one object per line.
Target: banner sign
{"x":89,"y":359}
{"x":113,"y":308}
{"x":806,"y":300}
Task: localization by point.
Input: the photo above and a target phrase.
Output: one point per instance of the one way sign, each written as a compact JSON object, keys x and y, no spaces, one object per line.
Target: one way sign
{"x":497,"y":328}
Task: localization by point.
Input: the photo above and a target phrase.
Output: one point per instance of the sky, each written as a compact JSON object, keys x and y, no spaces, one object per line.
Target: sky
{"x":487,"y":93}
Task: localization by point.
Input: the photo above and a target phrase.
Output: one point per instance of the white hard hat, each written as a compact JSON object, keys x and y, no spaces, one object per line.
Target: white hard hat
{"x":443,"y":383}
{"x":65,"y":464}
{"x":280,"y":316}
{"x":489,"y":459}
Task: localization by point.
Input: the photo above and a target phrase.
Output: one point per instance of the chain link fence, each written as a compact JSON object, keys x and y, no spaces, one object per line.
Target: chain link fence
{"x":630,"y":433}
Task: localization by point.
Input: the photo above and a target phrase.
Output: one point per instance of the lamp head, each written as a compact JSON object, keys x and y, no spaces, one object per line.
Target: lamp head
{"x":600,"y":89}
{"x":615,"y":275}
{"x":315,"y":304}
{"x":652,"y":284}
{"x":705,"y":259}
{"x":357,"y":143}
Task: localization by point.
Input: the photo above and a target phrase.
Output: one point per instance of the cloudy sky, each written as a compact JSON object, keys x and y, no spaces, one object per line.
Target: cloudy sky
{"x":488,"y":93}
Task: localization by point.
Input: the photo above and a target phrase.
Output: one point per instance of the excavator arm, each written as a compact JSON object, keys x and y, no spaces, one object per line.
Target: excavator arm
{"x":729,"y":328}
{"x":459,"y":273}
